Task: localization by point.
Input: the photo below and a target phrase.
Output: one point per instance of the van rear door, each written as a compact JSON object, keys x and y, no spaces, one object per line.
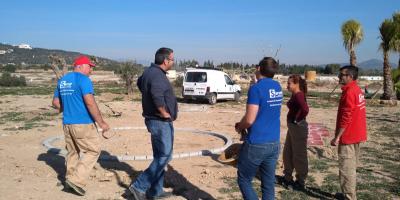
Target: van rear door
{"x":195,"y":84}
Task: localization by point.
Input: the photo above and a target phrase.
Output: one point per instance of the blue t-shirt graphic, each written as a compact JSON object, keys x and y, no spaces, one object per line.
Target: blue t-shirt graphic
{"x":70,"y":90}
{"x":267,"y":94}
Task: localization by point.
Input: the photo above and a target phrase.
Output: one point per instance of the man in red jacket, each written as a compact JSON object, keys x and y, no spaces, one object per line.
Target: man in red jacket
{"x":351,"y":129}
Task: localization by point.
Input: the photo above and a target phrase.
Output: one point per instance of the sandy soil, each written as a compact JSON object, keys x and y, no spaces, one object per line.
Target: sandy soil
{"x":27,"y":171}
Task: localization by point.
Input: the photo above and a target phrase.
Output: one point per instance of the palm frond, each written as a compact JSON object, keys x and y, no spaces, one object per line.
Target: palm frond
{"x":388,"y":33}
{"x":395,"y":42}
{"x":352,"y":34}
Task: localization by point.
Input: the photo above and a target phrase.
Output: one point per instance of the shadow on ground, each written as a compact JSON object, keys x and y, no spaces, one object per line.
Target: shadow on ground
{"x":310,"y":191}
{"x":56,"y":162}
{"x":183,"y":187}
{"x":173,"y":179}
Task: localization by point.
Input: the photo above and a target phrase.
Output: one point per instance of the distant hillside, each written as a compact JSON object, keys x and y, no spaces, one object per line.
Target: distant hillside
{"x":370,"y":64}
{"x":374,"y":64}
{"x":40,"y":56}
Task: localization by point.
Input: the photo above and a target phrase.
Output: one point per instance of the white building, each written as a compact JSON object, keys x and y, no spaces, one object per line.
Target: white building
{"x":372,"y":78}
{"x":2,"y":52}
{"x":171,"y":74}
{"x":328,"y":78}
{"x":24,"y":46}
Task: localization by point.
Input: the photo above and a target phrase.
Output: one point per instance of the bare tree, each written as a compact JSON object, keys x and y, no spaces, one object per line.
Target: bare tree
{"x":128,"y":71}
{"x":56,"y":62}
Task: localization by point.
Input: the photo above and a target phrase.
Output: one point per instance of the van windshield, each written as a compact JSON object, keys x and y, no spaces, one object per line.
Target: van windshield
{"x":198,"y":77}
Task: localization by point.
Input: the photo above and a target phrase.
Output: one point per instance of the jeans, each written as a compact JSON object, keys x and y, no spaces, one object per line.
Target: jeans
{"x":260,"y":157}
{"x":151,"y":181}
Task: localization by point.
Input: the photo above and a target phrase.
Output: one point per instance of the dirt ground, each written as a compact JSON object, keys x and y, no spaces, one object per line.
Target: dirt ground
{"x":28,"y":171}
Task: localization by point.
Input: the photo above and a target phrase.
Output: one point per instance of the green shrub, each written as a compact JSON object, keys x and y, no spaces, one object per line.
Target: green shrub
{"x":178,"y":81}
{"x":7,"y":80}
{"x":396,"y":81}
{"x":128,"y":71}
{"x":9,"y":68}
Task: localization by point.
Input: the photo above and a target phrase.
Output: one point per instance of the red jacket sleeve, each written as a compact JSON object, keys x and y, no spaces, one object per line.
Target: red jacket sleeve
{"x":346,"y":109}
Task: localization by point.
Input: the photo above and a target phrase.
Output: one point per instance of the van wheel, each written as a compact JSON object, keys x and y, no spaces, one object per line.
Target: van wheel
{"x":212,"y":99}
{"x":237,"y":96}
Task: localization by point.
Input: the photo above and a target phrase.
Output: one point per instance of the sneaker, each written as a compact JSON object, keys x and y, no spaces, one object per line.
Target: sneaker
{"x":163,"y":195}
{"x":75,"y":188}
{"x":287,"y":184}
{"x":299,"y":186}
{"x":136,"y":194}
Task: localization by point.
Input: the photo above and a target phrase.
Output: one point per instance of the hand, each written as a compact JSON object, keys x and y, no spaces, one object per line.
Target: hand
{"x":335,"y":141}
{"x":164,"y":115}
{"x":104,"y":128}
{"x":108,"y":134}
{"x":237,"y":127}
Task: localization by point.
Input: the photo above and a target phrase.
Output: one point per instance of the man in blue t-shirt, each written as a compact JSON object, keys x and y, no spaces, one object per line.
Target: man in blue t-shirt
{"x":260,"y":149}
{"x":74,"y":98}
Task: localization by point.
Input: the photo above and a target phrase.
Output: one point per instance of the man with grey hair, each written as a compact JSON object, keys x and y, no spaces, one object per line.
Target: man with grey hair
{"x":74,"y":98}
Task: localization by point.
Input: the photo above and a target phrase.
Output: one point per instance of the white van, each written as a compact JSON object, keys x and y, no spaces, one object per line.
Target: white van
{"x":209,"y":83}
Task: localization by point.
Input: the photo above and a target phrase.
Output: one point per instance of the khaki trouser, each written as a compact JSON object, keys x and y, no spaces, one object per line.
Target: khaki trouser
{"x":83,"y":146}
{"x":348,"y":160}
{"x":295,"y":151}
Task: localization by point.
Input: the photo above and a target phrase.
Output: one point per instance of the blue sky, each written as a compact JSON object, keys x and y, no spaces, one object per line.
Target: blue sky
{"x":308,"y":31}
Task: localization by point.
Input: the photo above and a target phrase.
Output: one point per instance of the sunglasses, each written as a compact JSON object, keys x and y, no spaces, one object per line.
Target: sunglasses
{"x":341,"y":75}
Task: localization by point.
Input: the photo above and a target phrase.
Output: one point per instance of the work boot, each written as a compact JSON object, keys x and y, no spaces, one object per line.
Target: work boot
{"x":339,"y":196}
{"x":75,"y":188}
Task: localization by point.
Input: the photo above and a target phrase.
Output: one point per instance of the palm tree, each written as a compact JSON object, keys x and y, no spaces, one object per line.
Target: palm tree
{"x":395,"y":45}
{"x":352,"y":33}
{"x":388,"y":31}
{"x":396,"y":40}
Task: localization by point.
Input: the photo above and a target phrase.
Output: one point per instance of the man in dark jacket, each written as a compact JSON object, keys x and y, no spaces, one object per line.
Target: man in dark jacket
{"x":160,"y":109}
